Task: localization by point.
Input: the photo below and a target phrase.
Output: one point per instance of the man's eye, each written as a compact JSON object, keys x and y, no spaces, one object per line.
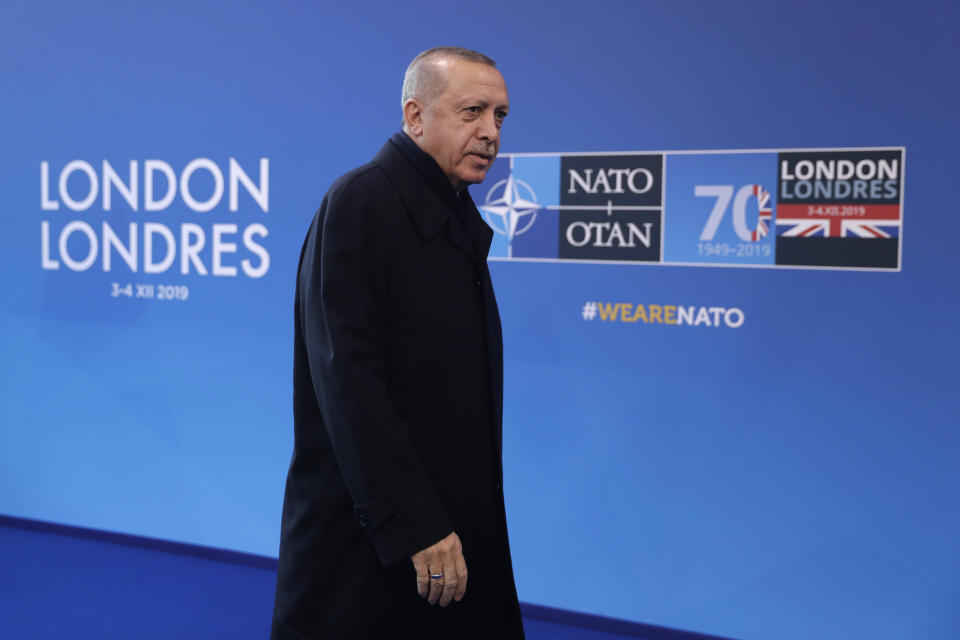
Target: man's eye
{"x":474,"y":109}
{"x":501,"y":115}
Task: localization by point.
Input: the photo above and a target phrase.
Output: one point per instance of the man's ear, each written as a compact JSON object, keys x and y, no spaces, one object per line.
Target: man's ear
{"x":413,"y":117}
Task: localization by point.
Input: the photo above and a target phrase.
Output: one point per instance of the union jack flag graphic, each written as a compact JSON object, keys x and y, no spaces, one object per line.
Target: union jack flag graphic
{"x":838,"y":221}
{"x":764,"y":213}
{"x":878,"y":229}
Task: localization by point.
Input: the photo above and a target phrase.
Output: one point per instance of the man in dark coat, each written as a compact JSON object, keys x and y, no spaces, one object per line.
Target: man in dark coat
{"x":395,"y":487}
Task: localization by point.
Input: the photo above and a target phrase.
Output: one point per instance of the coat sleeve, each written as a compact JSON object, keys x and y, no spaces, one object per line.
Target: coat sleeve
{"x":343,"y":286}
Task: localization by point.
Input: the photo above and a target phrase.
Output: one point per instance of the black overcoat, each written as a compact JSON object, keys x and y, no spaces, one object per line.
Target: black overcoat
{"x":398,"y":381}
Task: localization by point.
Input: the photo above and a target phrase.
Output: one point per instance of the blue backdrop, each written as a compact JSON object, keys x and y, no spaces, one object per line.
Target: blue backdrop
{"x":792,"y":477}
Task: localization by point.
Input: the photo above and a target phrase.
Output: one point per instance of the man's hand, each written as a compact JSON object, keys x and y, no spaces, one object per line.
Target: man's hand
{"x":444,"y":557}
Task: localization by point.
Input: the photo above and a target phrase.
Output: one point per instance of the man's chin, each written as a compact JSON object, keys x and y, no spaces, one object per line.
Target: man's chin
{"x":474,"y":176}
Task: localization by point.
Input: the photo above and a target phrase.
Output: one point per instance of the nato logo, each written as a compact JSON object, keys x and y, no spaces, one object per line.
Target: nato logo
{"x":511,"y":207}
{"x":520,"y":205}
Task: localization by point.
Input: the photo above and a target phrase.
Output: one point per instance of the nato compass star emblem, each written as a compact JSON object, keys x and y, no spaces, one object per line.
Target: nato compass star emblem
{"x":510,"y":208}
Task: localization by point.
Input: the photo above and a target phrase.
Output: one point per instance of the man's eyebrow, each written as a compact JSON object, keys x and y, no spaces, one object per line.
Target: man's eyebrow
{"x":472,"y":100}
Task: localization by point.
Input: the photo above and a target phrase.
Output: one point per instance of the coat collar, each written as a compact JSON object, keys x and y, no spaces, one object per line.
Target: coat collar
{"x":429,"y":208}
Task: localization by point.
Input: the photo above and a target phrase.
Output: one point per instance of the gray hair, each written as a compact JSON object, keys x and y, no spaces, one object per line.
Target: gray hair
{"x":422,"y":80}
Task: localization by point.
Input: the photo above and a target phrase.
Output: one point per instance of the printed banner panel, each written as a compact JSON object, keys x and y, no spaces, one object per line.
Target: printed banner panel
{"x":817,"y":208}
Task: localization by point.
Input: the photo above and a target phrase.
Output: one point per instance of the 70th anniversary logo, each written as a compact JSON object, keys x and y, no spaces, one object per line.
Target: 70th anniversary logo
{"x":834,"y":208}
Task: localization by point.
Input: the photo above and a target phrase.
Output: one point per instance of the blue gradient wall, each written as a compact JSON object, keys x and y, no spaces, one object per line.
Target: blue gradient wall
{"x":795,"y":477}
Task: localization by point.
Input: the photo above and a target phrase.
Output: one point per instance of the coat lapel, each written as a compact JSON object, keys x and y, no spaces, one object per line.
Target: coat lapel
{"x":483,"y":235}
{"x":429,"y":210}
{"x":460,"y":236}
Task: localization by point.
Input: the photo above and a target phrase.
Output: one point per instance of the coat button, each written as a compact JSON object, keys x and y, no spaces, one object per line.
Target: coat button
{"x":362,"y":519}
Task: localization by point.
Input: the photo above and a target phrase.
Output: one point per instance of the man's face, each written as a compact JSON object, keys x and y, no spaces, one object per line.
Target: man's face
{"x":461,"y":126}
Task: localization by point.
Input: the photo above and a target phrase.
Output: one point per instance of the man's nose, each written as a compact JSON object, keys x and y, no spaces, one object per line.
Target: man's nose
{"x":488,"y":127}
